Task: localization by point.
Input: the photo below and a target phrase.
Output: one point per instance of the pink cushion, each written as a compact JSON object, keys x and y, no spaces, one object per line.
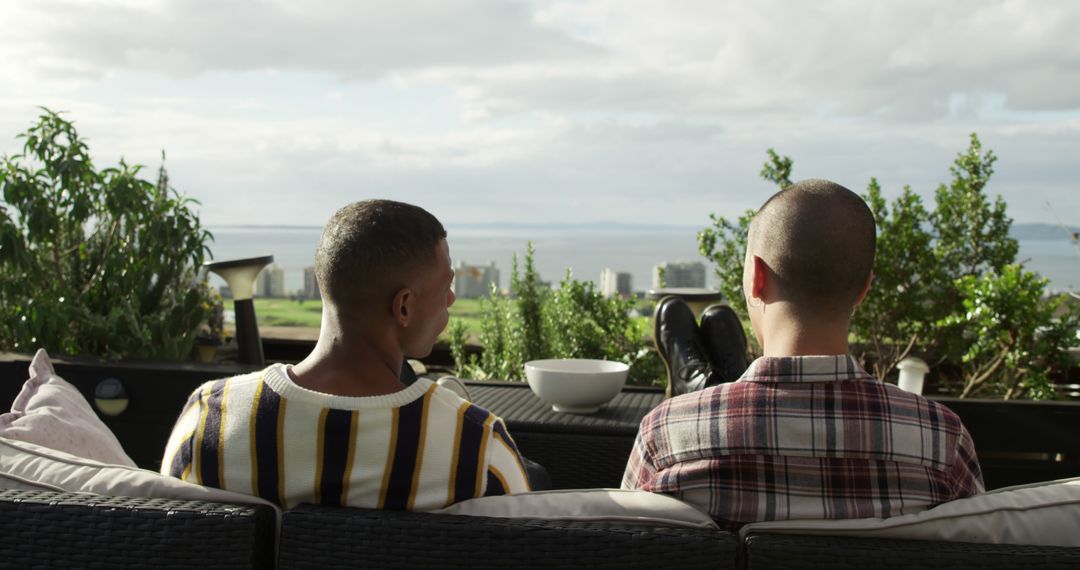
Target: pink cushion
{"x":52,"y":413}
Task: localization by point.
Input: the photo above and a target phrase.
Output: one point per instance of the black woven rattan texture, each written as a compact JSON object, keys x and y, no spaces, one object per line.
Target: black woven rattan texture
{"x":792,"y":552}
{"x":577,"y":461}
{"x":332,"y":537}
{"x":42,"y":529}
{"x":580,"y":451}
{"x":516,"y":403}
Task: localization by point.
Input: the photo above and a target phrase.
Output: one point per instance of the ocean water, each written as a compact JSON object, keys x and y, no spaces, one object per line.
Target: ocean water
{"x":584,"y":251}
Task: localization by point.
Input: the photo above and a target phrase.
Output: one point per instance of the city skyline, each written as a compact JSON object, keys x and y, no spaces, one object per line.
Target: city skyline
{"x":587,"y":251}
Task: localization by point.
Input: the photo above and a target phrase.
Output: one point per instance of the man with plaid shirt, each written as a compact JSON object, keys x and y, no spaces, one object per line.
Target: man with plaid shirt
{"x":805,"y":432}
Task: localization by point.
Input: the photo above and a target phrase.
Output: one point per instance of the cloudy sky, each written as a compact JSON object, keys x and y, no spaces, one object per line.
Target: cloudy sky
{"x":633,"y":111}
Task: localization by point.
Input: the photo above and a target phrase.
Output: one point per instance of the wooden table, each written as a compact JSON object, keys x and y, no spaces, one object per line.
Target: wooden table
{"x":579,"y":450}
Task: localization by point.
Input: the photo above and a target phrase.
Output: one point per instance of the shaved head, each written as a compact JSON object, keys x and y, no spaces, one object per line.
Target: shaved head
{"x":818,"y":238}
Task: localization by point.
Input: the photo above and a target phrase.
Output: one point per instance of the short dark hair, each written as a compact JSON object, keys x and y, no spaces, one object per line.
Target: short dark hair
{"x":819,"y":239}
{"x":369,"y":249}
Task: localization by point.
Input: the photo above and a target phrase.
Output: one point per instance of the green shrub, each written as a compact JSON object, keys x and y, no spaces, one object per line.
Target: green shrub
{"x":946,"y":286}
{"x":1012,"y":340}
{"x":572,"y":321}
{"x":95,"y":262}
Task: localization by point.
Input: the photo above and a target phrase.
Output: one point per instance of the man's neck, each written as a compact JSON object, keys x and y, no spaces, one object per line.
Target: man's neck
{"x":792,"y":337}
{"x":350,"y":365}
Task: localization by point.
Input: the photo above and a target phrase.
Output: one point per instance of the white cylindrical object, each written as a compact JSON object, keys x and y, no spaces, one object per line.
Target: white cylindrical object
{"x":240,"y":274}
{"x":241,"y":281}
{"x":913,"y":373}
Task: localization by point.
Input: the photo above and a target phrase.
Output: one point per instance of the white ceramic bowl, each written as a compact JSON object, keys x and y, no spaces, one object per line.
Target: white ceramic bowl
{"x":576,"y":385}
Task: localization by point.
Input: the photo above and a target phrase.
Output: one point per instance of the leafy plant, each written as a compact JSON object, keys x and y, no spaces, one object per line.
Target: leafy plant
{"x":923,"y":256}
{"x":777,"y":169}
{"x":573,"y":321}
{"x":1013,"y":340}
{"x":899,"y":312}
{"x":945,"y":284}
{"x":531,"y":296}
{"x":95,"y":262}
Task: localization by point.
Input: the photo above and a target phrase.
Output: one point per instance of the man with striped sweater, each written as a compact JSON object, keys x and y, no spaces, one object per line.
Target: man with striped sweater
{"x":805,"y":432}
{"x":340,"y":428}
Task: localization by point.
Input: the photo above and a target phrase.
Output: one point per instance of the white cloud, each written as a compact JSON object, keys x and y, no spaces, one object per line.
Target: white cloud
{"x":632,"y":110}
{"x":350,"y":39}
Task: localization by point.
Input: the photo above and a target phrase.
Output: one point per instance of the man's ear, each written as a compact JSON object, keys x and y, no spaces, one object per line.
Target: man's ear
{"x":403,"y":307}
{"x":865,"y":289}
{"x":759,"y":278}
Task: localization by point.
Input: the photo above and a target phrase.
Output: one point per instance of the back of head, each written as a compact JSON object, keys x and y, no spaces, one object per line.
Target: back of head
{"x":818,"y":238}
{"x":369,"y":250}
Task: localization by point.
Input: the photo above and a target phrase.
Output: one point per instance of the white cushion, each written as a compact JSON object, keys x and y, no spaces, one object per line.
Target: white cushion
{"x":592,"y":505}
{"x":1044,"y":514}
{"x":28,"y":466}
{"x":17,"y":484}
{"x":52,"y":413}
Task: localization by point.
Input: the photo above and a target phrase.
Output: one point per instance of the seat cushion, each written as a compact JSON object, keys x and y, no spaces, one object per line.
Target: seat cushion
{"x":52,"y":413}
{"x":592,"y":505}
{"x":28,"y":466}
{"x":1043,"y":514}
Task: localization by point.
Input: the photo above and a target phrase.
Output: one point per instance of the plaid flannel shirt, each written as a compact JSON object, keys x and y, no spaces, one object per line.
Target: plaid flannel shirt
{"x":809,"y":437}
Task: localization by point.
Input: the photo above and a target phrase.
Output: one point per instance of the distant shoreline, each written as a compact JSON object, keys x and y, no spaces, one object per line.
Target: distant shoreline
{"x":588,"y":249}
{"x":1027,"y":231}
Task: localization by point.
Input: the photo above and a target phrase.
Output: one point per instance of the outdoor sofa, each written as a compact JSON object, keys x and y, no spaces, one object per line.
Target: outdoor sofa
{"x":49,"y":529}
{"x":67,"y":504}
{"x":64,"y":530}
{"x":78,"y":530}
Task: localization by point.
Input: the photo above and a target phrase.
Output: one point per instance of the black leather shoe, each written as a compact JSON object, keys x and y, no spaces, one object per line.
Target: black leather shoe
{"x":676,"y":335}
{"x":724,"y":341}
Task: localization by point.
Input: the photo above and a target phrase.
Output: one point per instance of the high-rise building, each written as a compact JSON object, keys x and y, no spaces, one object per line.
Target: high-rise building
{"x":615,"y":283}
{"x":475,"y":281}
{"x":270,"y":283}
{"x":679,"y":274}
{"x":311,"y":284}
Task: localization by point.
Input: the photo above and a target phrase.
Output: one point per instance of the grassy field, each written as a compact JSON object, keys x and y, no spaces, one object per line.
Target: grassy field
{"x":467,"y":310}
{"x":289,"y":313}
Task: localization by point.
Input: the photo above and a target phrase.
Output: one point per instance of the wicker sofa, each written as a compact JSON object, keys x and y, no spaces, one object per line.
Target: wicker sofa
{"x":45,"y":527}
{"x":797,"y":552}
{"x":77,"y":530}
{"x":65,"y":530}
{"x":333,"y":537}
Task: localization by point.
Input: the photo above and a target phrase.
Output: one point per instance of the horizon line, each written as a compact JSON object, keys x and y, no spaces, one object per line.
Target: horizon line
{"x":493,"y":225}
{"x":603,"y":224}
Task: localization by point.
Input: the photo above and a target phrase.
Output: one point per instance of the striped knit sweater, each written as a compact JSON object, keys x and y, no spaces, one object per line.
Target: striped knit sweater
{"x":418,"y":449}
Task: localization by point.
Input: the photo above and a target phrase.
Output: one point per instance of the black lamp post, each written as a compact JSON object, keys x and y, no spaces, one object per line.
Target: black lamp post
{"x":240,"y":274}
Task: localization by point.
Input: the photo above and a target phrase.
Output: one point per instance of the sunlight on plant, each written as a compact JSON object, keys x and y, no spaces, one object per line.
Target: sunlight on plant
{"x":95,"y":262}
{"x":534,"y":322}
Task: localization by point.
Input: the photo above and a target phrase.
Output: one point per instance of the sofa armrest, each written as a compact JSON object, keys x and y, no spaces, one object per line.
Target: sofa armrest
{"x":336,"y":537}
{"x":82,"y":530}
{"x":792,"y":552}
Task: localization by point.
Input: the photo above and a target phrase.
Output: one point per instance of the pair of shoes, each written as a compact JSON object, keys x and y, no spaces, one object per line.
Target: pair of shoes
{"x":724,"y":340}
{"x":698,"y":357}
{"x":675,"y":332}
